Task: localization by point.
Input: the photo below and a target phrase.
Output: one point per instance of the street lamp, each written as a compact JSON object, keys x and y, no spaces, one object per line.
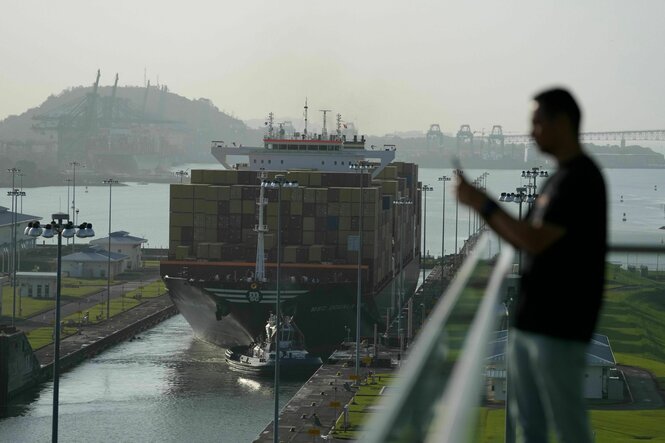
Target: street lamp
{"x":443,"y":179}
{"x":360,"y":166}
{"x":533,"y":175}
{"x":278,"y":182}
{"x":424,"y":190}
{"x":519,"y":196}
{"x":75,"y":211}
{"x":14,"y":194}
{"x":402,"y":203}
{"x":110,"y":182}
{"x":456,"y":172}
{"x":181,"y":173}
{"x":62,"y":227}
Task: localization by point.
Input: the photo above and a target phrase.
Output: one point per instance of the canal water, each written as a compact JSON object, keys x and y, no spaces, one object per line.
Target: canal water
{"x":166,"y":386}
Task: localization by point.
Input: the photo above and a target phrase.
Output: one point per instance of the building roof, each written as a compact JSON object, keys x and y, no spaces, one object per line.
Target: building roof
{"x":93,"y":255}
{"x":599,"y":352}
{"x":7,"y":217}
{"x":36,"y":274}
{"x":118,"y":237}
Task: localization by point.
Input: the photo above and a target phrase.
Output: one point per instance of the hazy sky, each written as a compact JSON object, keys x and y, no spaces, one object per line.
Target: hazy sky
{"x":388,"y":66}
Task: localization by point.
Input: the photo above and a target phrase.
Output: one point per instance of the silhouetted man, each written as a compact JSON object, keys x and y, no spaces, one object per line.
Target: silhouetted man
{"x":564,"y":242}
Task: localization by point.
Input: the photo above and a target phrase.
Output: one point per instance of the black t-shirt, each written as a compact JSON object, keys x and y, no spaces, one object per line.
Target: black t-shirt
{"x":562,"y":287}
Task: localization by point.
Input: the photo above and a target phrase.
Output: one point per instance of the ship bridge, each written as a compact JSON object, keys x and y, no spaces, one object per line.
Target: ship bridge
{"x":318,"y":153}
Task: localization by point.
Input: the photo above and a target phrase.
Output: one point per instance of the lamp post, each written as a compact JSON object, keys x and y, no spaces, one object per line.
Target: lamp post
{"x":456,"y":172}
{"x":14,"y":193}
{"x":74,"y":164}
{"x":533,"y":175}
{"x":360,"y":166}
{"x":424,"y":189}
{"x":443,"y":179}
{"x":181,"y":173}
{"x":519,"y":196}
{"x":279,"y":182}
{"x":62,"y":227}
{"x":402,"y":202}
{"x":110,"y":182}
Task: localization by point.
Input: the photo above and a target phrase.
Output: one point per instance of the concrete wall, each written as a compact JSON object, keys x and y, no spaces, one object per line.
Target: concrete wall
{"x":19,"y":368}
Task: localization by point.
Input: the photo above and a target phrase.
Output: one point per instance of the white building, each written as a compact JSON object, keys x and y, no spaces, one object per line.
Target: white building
{"x":125,"y":244}
{"x":93,"y":263}
{"x":600,"y":369}
{"x":37,"y":284}
{"x":6,"y":239}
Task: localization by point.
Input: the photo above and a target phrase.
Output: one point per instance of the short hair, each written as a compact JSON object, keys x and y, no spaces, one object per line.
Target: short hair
{"x":558,"y":101}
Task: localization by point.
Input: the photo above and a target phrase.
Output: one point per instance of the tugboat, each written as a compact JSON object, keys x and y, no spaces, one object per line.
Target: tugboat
{"x":259,"y":358}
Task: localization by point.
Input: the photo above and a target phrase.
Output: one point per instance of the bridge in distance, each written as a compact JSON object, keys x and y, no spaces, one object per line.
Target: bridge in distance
{"x":497,"y":136}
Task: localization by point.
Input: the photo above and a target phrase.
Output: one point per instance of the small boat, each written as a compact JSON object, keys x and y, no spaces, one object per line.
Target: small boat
{"x":259,"y":357}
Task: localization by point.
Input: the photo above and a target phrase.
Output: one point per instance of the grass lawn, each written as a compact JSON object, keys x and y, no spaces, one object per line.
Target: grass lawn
{"x":28,"y":306}
{"x":150,"y":290}
{"x":42,"y":336}
{"x":608,"y":426}
{"x":367,"y":395}
{"x":633,"y":318}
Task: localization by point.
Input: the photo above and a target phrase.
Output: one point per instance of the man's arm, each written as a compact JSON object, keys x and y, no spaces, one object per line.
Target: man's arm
{"x":519,"y":233}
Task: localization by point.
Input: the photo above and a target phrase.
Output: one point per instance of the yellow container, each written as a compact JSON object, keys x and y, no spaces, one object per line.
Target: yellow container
{"x":182,"y":191}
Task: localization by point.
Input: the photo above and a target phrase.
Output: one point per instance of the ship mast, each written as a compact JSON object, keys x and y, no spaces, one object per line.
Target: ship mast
{"x":339,"y":126}
{"x":324,"y":131}
{"x":261,"y":229}
{"x":306,"y":107}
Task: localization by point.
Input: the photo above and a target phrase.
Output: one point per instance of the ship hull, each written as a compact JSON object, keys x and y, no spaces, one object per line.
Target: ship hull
{"x":229,"y":314}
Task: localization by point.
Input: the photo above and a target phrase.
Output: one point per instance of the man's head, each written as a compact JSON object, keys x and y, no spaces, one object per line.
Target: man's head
{"x":555,"y":121}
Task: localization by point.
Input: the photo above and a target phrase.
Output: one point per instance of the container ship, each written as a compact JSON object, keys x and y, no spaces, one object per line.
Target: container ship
{"x":222,"y":266}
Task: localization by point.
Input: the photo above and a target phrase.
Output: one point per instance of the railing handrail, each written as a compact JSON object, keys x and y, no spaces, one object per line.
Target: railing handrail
{"x":379,"y":427}
{"x":455,"y":409}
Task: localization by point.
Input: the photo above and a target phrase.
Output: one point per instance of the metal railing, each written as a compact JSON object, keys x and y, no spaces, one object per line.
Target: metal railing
{"x":407,"y":412}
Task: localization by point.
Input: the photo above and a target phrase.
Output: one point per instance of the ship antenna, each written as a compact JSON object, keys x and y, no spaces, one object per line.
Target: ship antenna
{"x":324,"y":132}
{"x":339,"y":126}
{"x":270,"y":122}
{"x":306,"y":107}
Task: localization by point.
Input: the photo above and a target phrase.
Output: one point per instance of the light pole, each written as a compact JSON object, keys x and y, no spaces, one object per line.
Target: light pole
{"x":14,"y":193}
{"x":533,"y":175}
{"x":279,"y":182}
{"x":424,"y":190}
{"x":360,"y":166}
{"x":519,"y":196}
{"x":62,"y":227}
{"x":443,"y":179}
{"x":402,"y":202}
{"x":181,"y":173}
{"x":75,"y":211}
{"x":110,"y":182}
{"x":456,"y":172}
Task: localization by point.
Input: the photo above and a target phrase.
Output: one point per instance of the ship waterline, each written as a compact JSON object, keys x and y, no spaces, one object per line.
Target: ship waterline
{"x":230,"y":314}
